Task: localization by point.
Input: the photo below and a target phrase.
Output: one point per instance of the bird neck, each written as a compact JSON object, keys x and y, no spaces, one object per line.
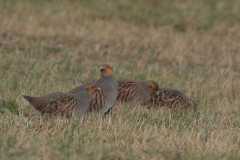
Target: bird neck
{"x":144,"y":90}
{"x":108,"y":76}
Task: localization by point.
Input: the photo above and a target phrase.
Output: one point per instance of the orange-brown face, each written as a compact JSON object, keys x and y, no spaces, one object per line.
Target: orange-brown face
{"x":106,"y":70}
{"x":92,"y":89}
{"x":153,"y":87}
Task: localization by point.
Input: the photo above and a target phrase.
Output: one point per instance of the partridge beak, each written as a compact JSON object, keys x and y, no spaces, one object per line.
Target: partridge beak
{"x":157,"y":93}
{"x":102,"y":69}
{"x":98,"y":89}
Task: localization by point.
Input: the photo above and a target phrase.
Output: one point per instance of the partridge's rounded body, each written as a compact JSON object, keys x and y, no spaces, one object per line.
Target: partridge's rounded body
{"x":171,"y":98}
{"x":136,"y":92}
{"x":104,"y":99}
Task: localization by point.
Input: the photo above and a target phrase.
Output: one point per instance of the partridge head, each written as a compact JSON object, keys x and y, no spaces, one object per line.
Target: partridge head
{"x":92,"y":89}
{"x":106,"y":70}
{"x":152,"y":87}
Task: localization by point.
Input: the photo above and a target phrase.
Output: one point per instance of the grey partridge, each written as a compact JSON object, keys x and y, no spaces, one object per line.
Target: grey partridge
{"x":172,"y":98}
{"x":135,"y":91}
{"x":64,"y":104}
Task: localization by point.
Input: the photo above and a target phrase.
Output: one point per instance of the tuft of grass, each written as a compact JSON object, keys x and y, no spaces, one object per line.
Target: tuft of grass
{"x":10,"y":106}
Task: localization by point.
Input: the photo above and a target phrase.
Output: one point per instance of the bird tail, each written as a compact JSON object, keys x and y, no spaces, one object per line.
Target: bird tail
{"x":29,"y":98}
{"x":32,"y":101}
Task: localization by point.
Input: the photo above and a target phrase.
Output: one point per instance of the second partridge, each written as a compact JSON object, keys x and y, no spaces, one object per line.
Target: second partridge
{"x":136,"y":92}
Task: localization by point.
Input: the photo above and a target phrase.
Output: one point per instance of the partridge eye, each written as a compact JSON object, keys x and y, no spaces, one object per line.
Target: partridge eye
{"x":92,"y":87}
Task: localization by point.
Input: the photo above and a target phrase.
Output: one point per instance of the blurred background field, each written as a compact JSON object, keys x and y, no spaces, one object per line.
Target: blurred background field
{"x":51,"y":46}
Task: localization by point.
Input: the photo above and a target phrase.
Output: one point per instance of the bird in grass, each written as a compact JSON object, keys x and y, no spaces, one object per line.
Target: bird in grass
{"x":106,"y":98}
{"x":64,"y":104}
{"x":171,"y":98}
{"x":135,"y":91}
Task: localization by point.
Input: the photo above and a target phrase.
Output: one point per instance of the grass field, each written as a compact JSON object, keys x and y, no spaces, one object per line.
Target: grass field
{"x":51,"y":46}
